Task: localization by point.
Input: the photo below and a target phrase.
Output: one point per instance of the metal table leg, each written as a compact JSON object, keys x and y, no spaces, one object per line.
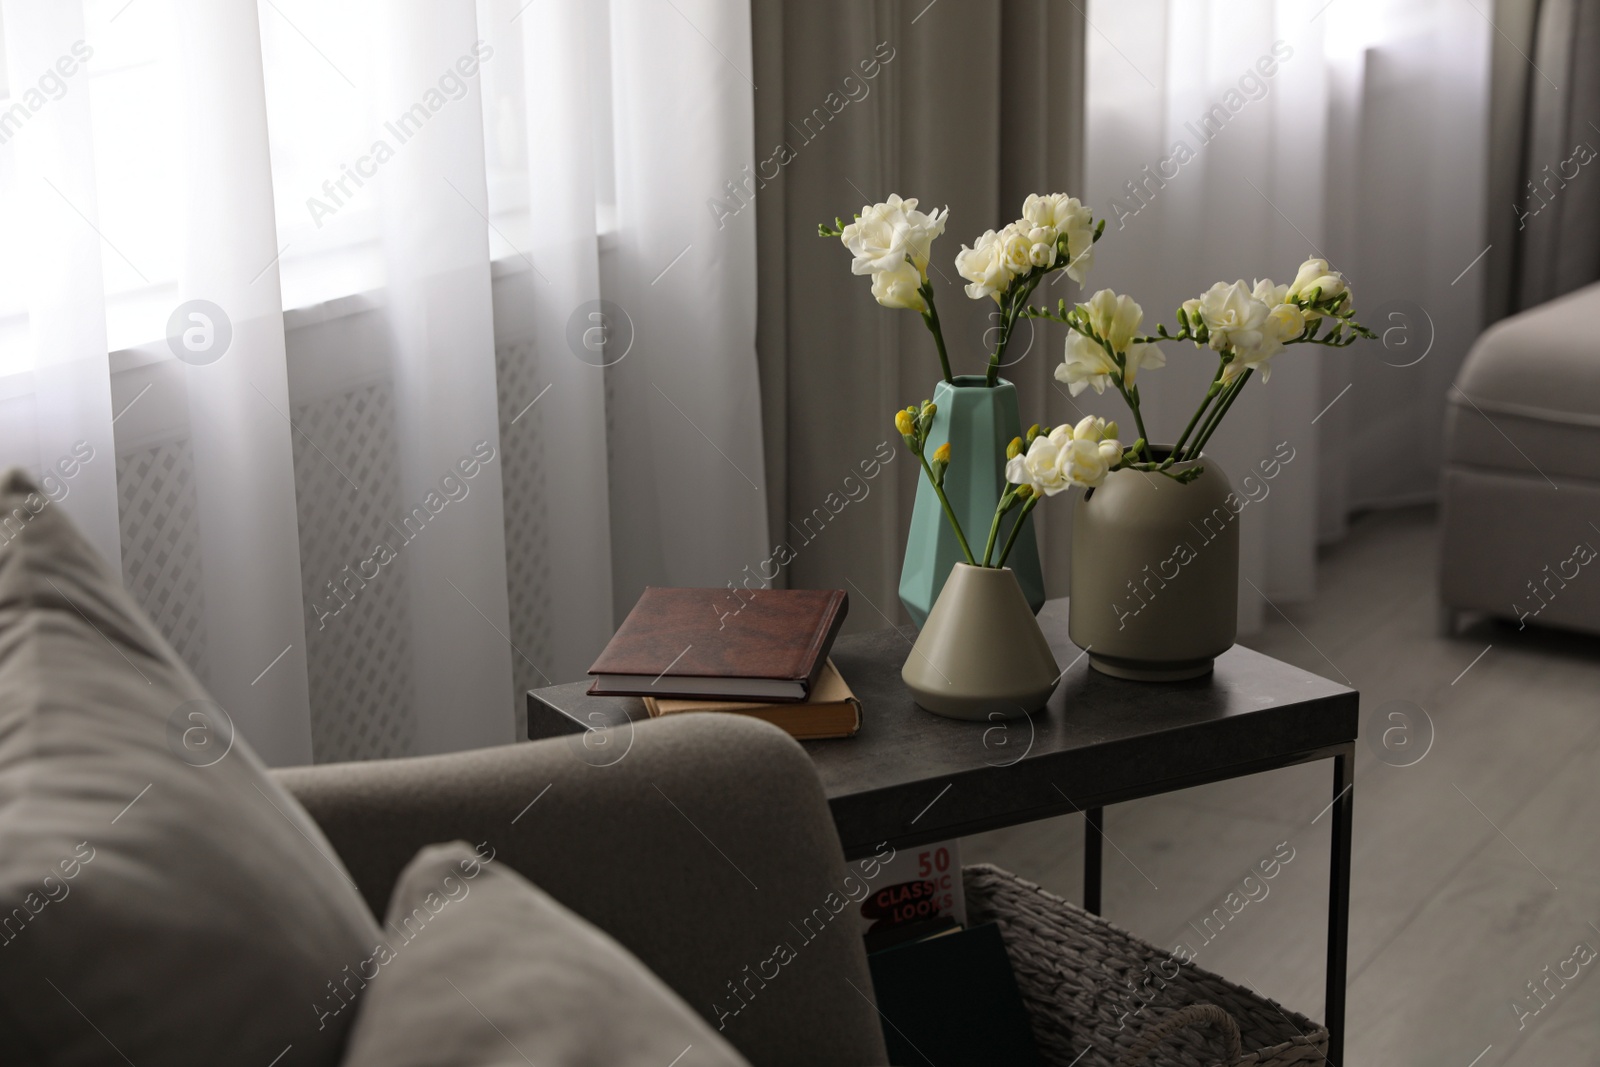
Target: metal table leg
{"x":1093,"y":836}
{"x":1344,"y":770}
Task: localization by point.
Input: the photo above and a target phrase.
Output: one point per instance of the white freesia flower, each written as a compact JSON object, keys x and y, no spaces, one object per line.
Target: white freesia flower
{"x":1315,"y":275}
{"x":1066,"y":456}
{"x":1088,"y":462}
{"x":1283,"y":324}
{"x":1063,"y":214}
{"x":1032,"y":242}
{"x":1040,"y":466}
{"x":1018,"y":249}
{"x":1080,"y":254}
{"x":1115,"y":318}
{"x":1085,"y":364}
{"x":1042,"y":245}
{"x":1237,"y":320}
{"x":877,"y":238}
{"x":984,"y":266}
{"x":921,"y":230}
{"x":1089,"y":428}
{"x":1270,"y":293}
{"x":1191,"y":311}
{"x":1277,"y":297}
{"x":1089,"y":450}
{"x":1254,"y":323}
{"x":899,"y":288}
{"x":1140,"y":356}
{"x":888,"y":234}
{"x":1286,"y":321}
{"x":1255,"y":355}
{"x":1053,"y":211}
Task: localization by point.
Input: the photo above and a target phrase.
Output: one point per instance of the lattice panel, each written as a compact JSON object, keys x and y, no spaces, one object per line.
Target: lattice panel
{"x":358,"y":644}
{"x":527,"y":549}
{"x":161,"y":545}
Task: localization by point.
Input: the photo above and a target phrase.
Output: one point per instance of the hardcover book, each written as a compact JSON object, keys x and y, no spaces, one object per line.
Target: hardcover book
{"x":831,"y":711}
{"x":769,"y":646}
{"x":919,"y":894}
{"x":955,"y":994}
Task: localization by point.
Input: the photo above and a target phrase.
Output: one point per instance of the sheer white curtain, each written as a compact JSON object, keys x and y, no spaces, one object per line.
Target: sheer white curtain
{"x":689,"y":416}
{"x":1236,"y":139}
{"x":366,"y":444}
{"x":434,"y":203}
{"x":238,"y":403}
{"x":55,"y":397}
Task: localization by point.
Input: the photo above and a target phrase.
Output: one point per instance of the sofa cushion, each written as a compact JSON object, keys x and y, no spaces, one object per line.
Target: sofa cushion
{"x":480,"y":967}
{"x":1527,"y":399}
{"x":161,"y":901}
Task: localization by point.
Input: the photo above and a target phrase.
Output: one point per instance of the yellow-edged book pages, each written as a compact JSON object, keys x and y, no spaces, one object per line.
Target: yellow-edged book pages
{"x":832,"y":711}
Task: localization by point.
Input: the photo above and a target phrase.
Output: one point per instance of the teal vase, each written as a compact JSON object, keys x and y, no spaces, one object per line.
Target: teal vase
{"x":978,"y":421}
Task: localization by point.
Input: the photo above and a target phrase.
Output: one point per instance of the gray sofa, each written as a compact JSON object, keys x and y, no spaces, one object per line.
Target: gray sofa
{"x":700,"y":849}
{"x":1520,"y":492}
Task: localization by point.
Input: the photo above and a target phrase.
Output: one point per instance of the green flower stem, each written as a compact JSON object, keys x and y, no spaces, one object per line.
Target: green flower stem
{"x":1130,"y":396}
{"x":1016,"y":301}
{"x":930,"y":319}
{"x":1031,"y":312}
{"x":949,"y":512}
{"x":1182,"y":335}
{"x":1209,"y":423}
{"x":1182,"y":477}
{"x":1222,"y":410}
{"x":1016,"y":528}
{"x":1177,"y":449}
{"x":1211,"y":394}
{"x":1138,"y":420}
{"x":1006,"y":499}
{"x":1214,"y":416}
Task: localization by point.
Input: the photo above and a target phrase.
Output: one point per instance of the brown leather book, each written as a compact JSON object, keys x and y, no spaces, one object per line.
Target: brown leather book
{"x":832,"y":711}
{"x":719,"y":644}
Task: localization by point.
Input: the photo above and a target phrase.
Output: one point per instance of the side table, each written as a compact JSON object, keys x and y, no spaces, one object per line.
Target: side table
{"x":909,"y":777}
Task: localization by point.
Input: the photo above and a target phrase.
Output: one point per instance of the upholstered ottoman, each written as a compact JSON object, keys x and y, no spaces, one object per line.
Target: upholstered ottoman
{"x":1521,"y":480}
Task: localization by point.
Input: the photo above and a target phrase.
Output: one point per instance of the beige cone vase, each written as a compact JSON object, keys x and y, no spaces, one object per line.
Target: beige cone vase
{"x":981,"y":655}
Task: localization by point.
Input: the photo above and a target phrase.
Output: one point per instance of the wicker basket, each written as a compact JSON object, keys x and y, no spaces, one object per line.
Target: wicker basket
{"x":1100,"y":997}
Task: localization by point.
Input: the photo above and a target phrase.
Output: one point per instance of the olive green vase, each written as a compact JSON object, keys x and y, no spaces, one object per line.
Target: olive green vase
{"x":981,"y":654}
{"x":1155,"y":572}
{"x":978,"y":421}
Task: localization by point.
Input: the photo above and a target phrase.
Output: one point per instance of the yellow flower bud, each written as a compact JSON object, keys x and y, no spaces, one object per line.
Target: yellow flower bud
{"x":1024,"y":492}
{"x":1014,"y":449}
{"x":929,"y":408}
{"x":1110,"y":432}
{"x":942,"y":453}
{"x":903,"y":423}
{"x":1034,"y":431}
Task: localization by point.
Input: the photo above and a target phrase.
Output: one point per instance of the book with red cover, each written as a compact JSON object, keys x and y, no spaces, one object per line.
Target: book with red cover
{"x":768,"y":645}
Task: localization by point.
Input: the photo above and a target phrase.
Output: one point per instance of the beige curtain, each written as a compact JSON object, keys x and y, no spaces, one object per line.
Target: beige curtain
{"x":971,"y":105}
{"x":1544,"y":205}
{"x":1510,"y":73}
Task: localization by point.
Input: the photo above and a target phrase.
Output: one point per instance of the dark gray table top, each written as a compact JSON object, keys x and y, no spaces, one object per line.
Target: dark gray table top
{"x":909,"y":777}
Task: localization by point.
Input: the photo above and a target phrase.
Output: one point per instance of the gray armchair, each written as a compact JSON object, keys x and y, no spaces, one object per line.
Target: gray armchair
{"x":700,"y":843}
{"x":1520,"y":491}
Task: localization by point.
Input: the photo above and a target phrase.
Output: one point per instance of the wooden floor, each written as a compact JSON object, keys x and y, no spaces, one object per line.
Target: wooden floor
{"x":1476,"y":867}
